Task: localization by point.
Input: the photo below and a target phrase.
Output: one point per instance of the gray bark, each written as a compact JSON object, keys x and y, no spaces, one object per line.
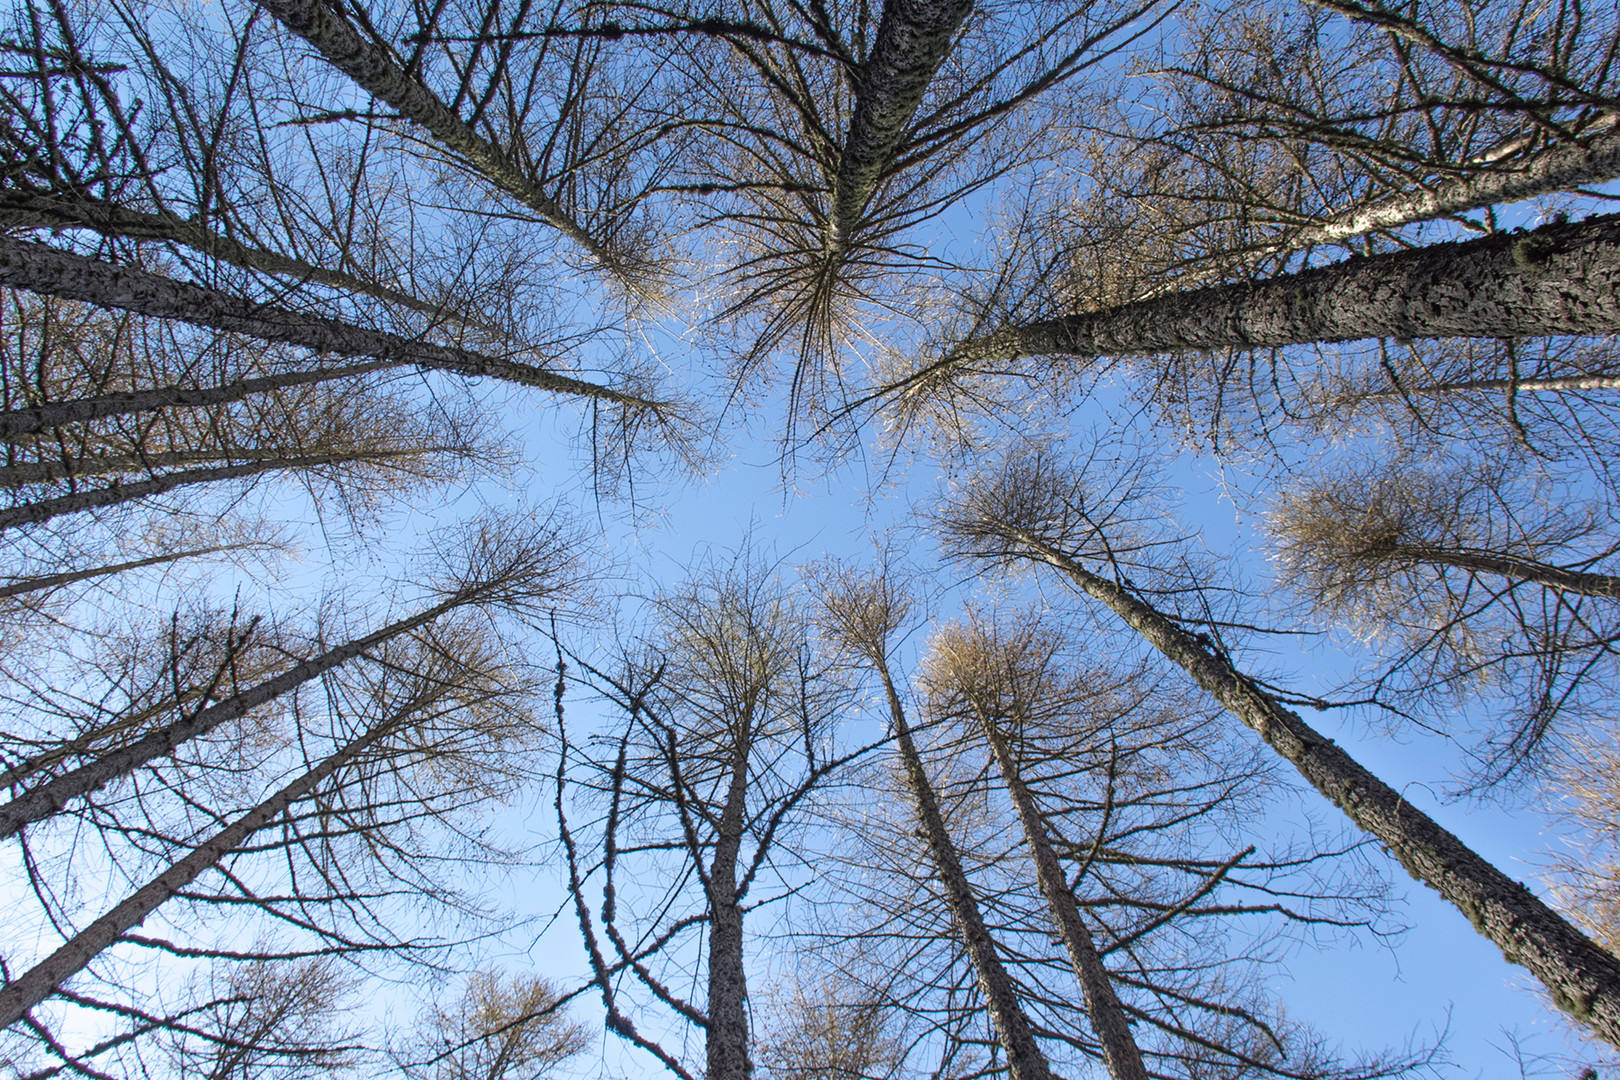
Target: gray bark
{"x":54,"y":794}
{"x":31,"y":211}
{"x":52,"y":272}
{"x":36,"y":418}
{"x":40,"y":981}
{"x":727,"y":1012}
{"x":42,"y":510}
{"x":373,"y":69}
{"x":1120,"y":1052}
{"x":1025,"y":1061}
{"x":44,"y":472}
{"x":1580,"y":977}
{"x":1557,"y":385}
{"x":912,"y":39}
{"x":1563,"y":278}
{"x":23,"y":586}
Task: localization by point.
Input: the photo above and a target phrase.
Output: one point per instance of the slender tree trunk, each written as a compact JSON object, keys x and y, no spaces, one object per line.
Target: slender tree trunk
{"x":35,"y":211}
{"x":1563,"y":278}
{"x":42,"y":510}
{"x":1581,"y":978}
{"x":52,"y":272}
{"x":912,"y":39}
{"x":1025,"y":1061}
{"x":1528,"y":386}
{"x":1546,"y":575}
{"x":1561,"y":167}
{"x":53,"y":795}
{"x":33,"y":987}
{"x":23,"y":586}
{"x":727,"y":1046}
{"x":373,"y":69}
{"x":1119,"y":1049}
{"x":44,"y":472}
{"x":18,"y":422}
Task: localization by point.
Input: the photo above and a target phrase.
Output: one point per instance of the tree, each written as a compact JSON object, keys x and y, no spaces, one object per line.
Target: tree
{"x":502,"y":1027}
{"x":1030,"y":510}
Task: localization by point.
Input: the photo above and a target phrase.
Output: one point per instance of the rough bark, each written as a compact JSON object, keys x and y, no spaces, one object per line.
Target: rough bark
{"x":1560,"y":384}
{"x":24,"y":473}
{"x":727,"y":1033}
{"x":374,"y":70}
{"x":1025,"y":1061}
{"x":23,"y":586}
{"x":18,"y":422}
{"x":51,"y":796}
{"x":1563,"y":278}
{"x":24,"y":210}
{"x":1120,"y":1052}
{"x":912,"y":39}
{"x":40,"y":981}
{"x":42,"y":510}
{"x":52,"y":272}
{"x":1580,"y":977}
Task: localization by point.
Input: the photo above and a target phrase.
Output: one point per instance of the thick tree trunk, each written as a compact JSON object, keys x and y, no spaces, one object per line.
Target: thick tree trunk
{"x":1563,"y":278}
{"x":1120,"y":1052}
{"x":52,"y":272}
{"x":44,"y":472}
{"x":373,"y":69}
{"x":1025,"y":1061}
{"x":18,"y":422}
{"x":39,"y":982}
{"x":42,"y":510}
{"x":1581,"y":978}
{"x":912,"y":39}
{"x":23,"y":586}
{"x":32,"y":211}
{"x":727,"y":1045}
{"x":53,"y":795}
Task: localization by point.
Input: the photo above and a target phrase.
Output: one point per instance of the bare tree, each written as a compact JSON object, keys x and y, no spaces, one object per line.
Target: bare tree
{"x":502,"y":1027}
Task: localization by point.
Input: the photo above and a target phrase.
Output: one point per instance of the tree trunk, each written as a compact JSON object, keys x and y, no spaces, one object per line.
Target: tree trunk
{"x":1025,"y":1061}
{"x":22,"y":210}
{"x":52,"y":272}
{"x":1556,"y":385}
{"x":23,"y":586}
{"x":42,"y":510}
{"x":1120,"y":1052}
{"x":54,"y":794}
{"x":1546,"y":575}
{"x":1561,"y":167}
{"x":727,"y":1036}
{"x":25,"y":473}
{"x":35,"y":418}
{"x":912,"y":39}
{"x":1562,"y":278}
{"x":376,"y":72}
{"x":17,"y":997}
{"x":1581,"y":978}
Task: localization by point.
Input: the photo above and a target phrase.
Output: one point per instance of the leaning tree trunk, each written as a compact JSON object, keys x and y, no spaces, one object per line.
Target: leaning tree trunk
{"x":1555,"y":385}
{"x":1581,"y":978}
{"x":727,"y":1035}
{"x":1557,"y":578}
{"x":1564,"y":166}
{"x":15,"y":423}
{"x":1119,"y":1050}
{"x":24,"y":473}
{"x":52,"y":272}
{"x":912,"y":39}
{"x":1563,"y":278}
{"x":39,"y":982}
{"x":24,"y":210}
{"x":42,"y":510}
{"x":51,"y":796}
{"x":1025,"y":1061}
{"x":24,"y":586}
{"x":374,"y":70}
